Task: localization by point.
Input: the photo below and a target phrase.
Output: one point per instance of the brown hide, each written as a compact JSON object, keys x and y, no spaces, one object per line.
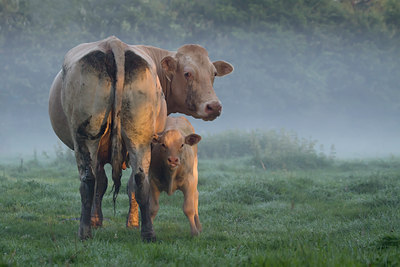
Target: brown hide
{"x":174,"y":167}
{"x":187,"y":78}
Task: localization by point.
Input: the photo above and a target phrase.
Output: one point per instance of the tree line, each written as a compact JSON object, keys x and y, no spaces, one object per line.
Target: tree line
{"x":303,"y":56}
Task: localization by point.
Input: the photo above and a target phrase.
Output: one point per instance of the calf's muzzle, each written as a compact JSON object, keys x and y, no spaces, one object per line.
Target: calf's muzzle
{"x":173,"y":161}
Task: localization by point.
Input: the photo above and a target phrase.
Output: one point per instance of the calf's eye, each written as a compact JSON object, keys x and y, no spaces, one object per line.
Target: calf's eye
{"x":187,"y":74}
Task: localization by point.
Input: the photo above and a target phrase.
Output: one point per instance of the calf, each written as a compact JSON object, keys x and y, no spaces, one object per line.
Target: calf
{"x":174,"y":166}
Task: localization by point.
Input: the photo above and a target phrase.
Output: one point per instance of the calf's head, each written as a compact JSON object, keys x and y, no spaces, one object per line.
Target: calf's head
{"x":171,"y":144}
{"x":192,"y":76}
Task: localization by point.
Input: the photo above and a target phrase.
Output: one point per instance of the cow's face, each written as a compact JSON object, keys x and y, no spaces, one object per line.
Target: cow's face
{"x":171,"y":145}
{"x":192,"y":76}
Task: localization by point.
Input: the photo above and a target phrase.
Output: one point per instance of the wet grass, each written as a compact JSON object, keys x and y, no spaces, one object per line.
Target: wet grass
{"x":345,"y":215}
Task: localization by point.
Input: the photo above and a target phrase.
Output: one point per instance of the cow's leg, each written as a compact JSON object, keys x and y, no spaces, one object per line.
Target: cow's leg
{"x":139,"y":184}
{"x":86,"y":188}
{"x":189,"y":206}
{"x":154,"y":204}
{"x":101,"y":187}
{"x":196,"y":213}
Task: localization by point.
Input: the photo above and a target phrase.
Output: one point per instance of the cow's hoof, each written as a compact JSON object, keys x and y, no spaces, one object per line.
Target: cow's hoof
{"x":84,"y":233}
{"x":149,"y":237}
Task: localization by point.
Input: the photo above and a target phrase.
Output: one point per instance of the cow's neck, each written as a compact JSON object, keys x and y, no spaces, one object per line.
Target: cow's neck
{"x":157,"y":54}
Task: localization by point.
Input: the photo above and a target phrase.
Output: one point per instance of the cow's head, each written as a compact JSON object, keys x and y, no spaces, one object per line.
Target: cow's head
{"x":192,"y":76}
{"x":171,"y":144}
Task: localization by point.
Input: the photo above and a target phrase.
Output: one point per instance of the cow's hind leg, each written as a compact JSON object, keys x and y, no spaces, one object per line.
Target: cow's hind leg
{"x":101,"y":187}
{"x":139,"y":184}
{"x":86,"y":188}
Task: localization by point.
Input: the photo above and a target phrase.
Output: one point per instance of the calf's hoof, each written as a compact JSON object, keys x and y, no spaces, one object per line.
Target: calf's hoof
{"x":198,"y":224}
{"x":195,"y":232}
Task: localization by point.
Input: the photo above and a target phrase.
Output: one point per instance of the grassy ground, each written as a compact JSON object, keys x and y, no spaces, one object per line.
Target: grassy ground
{"x":347,"y":215}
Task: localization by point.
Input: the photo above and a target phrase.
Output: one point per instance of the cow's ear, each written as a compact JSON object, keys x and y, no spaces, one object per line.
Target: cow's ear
{"x":223,"y":68}
{"x":192,"y":139}
{"x":169,"y":64}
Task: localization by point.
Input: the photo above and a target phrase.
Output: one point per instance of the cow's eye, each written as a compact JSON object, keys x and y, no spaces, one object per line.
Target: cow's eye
{"x":215,"y":73}
{"x":182,"y":145}
{"x":187,"y":75}
{"x":164,"y":146}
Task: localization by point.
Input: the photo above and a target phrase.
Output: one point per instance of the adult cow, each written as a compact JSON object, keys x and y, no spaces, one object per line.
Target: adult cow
{"x":109,"y":100}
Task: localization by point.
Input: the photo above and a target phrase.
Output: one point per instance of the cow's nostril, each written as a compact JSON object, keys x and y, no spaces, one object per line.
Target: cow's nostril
{"x":213,"y":108}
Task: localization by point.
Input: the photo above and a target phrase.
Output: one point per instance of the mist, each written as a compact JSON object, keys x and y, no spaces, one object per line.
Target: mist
{"x":339,"y":88}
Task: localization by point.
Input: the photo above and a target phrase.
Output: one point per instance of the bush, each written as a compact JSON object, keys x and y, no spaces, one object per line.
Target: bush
{"x":267,"y":149}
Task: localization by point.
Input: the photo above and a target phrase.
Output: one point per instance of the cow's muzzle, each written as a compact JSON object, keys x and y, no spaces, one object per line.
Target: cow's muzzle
{"x":212,"y":110}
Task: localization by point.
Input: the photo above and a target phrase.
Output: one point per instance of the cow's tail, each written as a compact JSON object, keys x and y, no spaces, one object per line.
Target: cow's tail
{"x":118,"y":50}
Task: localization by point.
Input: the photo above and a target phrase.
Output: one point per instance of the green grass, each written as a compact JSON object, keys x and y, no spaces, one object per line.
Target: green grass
{"x":344,"y":215}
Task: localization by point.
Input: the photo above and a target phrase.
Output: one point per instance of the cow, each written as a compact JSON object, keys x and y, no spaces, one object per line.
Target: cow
{"x":173,"y":166}
{"x":108,"y":101}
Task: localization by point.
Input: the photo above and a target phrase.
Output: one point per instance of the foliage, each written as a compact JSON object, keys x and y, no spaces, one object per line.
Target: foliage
{"x":250,"y":217}
{"x":305,"y":61}
{"x":267,"y":149}
{"x":63,"y":155}
{"x":284,"y":44}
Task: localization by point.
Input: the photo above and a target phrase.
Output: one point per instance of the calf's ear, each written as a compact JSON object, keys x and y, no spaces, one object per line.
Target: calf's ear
{"x":155,"y":139}
{"x":192,"y":139}
{"x":223,"y":68}
{"x":169,"y":64}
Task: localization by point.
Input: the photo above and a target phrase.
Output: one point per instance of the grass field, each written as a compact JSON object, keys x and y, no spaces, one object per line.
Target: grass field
{"x":344,"y":215}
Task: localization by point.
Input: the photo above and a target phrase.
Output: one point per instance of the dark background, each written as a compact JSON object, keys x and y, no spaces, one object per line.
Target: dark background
{"x":325,"y":69}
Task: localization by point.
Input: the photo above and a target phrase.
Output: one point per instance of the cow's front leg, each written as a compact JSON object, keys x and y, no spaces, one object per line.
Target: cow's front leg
{"x":101,"y":187}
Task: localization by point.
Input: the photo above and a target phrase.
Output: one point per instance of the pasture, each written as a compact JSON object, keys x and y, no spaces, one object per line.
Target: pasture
{"x":346,"y":214}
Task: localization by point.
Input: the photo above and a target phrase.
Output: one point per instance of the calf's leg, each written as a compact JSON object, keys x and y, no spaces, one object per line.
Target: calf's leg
{"x":189,"y":208}
{"x":196,"y":213}
{"x":154,"y":204}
